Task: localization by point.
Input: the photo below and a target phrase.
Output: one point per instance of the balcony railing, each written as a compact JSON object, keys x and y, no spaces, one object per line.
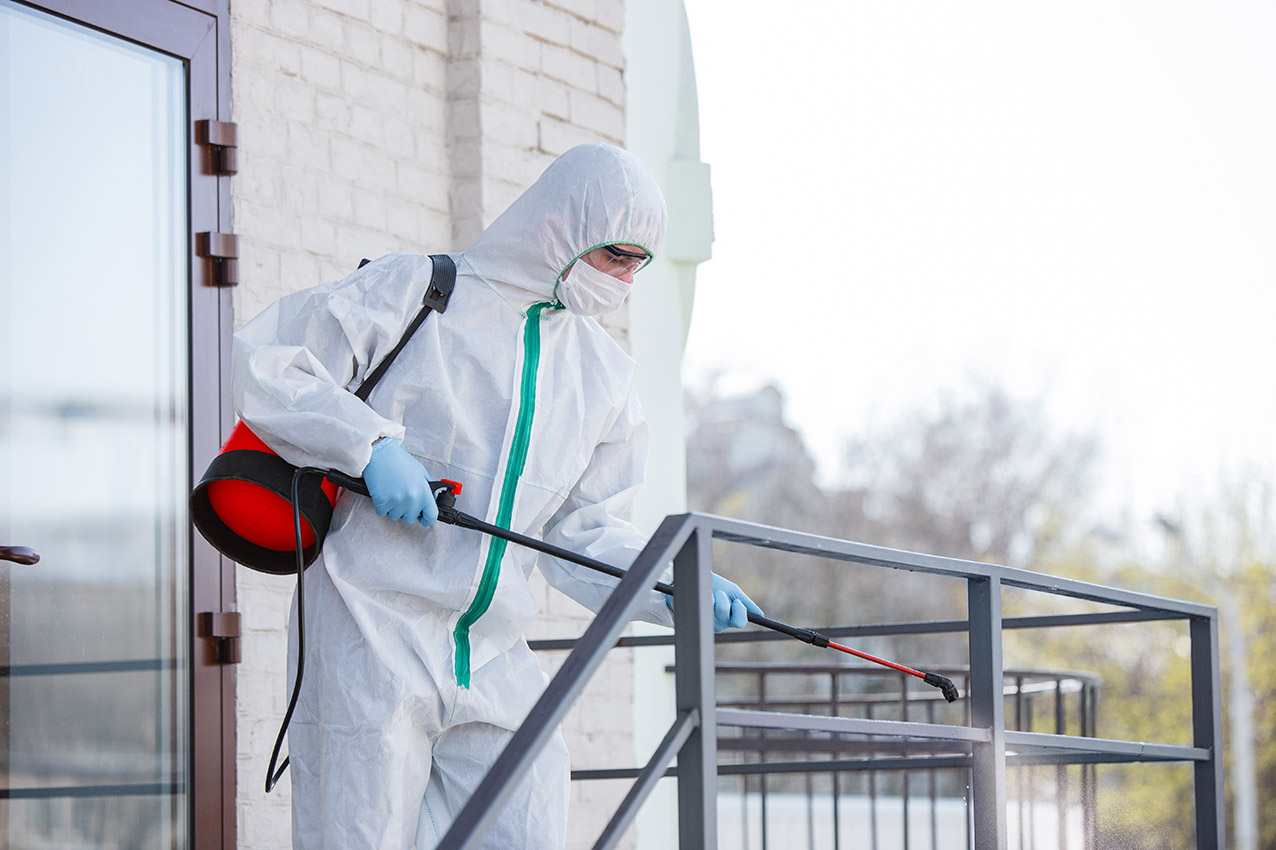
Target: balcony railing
{"x":892,"y":805}
{"x":980,"y":742}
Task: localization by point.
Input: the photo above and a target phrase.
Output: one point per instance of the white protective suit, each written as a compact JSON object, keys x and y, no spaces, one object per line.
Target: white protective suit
{"x":417,"y":670}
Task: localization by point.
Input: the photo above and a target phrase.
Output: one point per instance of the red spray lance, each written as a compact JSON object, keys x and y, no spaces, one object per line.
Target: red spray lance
{"x":445,"y":495}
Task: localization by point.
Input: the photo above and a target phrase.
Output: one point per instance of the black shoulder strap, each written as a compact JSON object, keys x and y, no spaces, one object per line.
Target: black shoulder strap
{"x":442,"y":280}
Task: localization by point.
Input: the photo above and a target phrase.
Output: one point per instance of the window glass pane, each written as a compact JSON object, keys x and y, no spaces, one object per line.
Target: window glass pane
{"x":93,"y":438}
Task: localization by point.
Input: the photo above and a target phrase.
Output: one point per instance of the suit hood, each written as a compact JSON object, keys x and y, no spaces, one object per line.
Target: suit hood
{"x":592,"y":195}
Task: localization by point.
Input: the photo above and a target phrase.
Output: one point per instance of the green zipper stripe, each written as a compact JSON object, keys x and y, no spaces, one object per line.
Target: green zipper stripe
{"x":513,"y":470}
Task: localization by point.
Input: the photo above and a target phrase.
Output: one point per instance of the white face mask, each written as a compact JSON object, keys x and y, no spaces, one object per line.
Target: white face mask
{"x":587,"y":291}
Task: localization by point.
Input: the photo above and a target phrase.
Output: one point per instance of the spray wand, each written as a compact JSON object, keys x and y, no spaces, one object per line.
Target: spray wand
{"x":445,"y":493}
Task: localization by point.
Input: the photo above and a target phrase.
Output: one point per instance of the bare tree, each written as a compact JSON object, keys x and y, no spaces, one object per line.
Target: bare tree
{"x":981,"y":475}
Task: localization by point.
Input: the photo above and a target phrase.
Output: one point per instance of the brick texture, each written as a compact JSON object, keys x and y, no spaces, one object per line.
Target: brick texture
{"x":371,"y":126}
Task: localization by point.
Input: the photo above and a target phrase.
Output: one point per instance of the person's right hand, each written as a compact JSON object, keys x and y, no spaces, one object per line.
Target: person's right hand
{"x":399,"y":485}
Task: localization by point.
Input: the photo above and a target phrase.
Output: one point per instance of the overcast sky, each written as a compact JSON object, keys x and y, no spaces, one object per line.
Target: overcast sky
{"x":1076,"y":199}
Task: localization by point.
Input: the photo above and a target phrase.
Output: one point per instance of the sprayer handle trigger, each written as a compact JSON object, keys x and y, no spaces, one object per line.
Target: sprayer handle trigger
{"x":445,"y":492}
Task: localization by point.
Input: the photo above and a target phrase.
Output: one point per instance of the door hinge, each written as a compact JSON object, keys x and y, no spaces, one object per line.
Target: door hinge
{"x":223,"y":249}
{"x":223,"y":138}
{"x":223,"y":627}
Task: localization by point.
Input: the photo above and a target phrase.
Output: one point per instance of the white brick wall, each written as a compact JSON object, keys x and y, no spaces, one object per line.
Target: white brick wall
{"x":342,"y":111}
{"x":370,"y":126}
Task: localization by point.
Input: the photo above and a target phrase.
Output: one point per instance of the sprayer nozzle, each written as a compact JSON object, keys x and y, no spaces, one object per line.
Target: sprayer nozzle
{"x":945,"y":685}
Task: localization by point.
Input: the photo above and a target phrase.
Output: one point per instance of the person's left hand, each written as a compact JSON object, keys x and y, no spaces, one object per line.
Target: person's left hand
{"x":731,"y":605}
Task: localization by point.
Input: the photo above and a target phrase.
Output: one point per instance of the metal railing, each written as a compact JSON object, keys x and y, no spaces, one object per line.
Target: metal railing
{"x":1060,"y":700}
{"x":983,"y":745}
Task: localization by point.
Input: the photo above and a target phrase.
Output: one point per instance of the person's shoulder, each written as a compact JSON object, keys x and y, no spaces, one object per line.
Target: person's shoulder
{"x":393,"y":272}
{"x":397,"y":261}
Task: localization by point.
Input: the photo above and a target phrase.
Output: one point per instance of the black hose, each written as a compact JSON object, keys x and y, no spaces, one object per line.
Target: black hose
{"x":273,"y":775}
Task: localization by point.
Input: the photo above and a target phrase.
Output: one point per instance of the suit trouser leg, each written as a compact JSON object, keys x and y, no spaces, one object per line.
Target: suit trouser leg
{"x":535,"y":814}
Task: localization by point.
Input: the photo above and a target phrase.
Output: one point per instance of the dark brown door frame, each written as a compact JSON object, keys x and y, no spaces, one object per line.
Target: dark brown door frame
{"x":197,"y":32}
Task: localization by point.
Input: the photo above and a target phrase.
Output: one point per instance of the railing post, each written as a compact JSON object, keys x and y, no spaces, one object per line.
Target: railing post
{"x":987,"y":711}
{"x":693,"y":679}
{"x":1207,"y":732}
{"x":1061,"y":771}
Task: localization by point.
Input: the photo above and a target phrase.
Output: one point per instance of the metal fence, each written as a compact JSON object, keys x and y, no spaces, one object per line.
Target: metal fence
{"x":916,"y":799}
{"x":983,"y":746}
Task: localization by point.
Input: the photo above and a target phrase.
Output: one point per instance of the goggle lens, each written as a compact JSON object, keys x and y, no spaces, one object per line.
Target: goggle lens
{"x":628,"y":261}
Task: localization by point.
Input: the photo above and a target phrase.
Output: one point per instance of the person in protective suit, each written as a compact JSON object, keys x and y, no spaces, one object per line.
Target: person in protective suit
{"x":418,"y":671}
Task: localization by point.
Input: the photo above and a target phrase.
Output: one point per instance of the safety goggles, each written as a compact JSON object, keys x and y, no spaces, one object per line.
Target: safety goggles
{"x":622,"y":261}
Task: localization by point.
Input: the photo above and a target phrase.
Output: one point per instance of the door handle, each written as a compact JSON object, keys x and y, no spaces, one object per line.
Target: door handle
{"x":19,"y":554}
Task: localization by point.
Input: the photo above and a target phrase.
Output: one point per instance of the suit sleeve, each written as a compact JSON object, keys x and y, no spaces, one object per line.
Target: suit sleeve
{"x":293,"y":365}
{"x":591,"y":520}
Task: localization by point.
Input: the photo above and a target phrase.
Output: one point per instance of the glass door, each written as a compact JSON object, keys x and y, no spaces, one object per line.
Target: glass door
{"x":94,"y":438}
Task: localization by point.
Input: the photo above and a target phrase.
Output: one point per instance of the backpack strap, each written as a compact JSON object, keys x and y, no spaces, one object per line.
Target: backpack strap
{"x":442,"y":281}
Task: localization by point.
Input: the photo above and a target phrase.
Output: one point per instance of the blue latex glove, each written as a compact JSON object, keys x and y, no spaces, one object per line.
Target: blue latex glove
{"x":731,"y":606}
{"x":399,"y":485}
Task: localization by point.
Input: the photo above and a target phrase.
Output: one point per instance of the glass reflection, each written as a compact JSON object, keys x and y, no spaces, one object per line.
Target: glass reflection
{"x":93,"y":445}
